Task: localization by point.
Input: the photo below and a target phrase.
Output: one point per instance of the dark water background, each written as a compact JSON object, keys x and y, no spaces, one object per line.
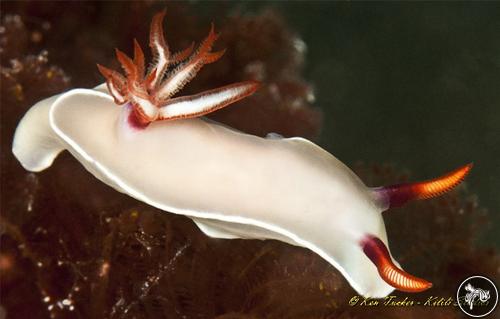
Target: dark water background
{"x":414,"y":84}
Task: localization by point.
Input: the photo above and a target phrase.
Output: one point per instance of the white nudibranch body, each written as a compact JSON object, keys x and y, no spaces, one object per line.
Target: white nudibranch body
{"x":231,"y":184}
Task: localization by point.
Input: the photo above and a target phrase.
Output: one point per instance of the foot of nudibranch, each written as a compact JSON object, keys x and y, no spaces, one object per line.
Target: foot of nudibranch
{"x":150,"y":95}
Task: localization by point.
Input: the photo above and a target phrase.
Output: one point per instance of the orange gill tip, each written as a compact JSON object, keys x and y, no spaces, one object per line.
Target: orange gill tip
{"x":157,"y":21}
{"x":253,"y":86}
{"x":182,"y":55}
{"x":399,"y":194}
{"x":138,"y":58}
{"x":213,"y":56}
{"x":156,"y":31}
{"x":378,"y":253}
{"x":160,"y":15}
{"x":115,"y":82}
{"x":127,"y":64}
{"x":207,"y":43}
{"x":104,"y":71}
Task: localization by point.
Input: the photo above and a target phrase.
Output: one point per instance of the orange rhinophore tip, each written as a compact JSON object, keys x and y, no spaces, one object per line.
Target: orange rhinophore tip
{"x":398,"y":195}
{"x":441,"y":185}
{"x":378,"y":253}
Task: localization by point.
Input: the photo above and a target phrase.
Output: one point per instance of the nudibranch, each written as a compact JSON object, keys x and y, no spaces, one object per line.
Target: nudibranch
{"x":160,"y":150}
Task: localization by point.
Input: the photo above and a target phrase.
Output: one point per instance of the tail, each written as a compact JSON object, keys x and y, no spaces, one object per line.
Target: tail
{"x":399,"y":194}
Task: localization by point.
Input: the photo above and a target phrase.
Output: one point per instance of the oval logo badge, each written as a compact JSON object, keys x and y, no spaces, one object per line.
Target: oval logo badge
{"x":477,"y":296}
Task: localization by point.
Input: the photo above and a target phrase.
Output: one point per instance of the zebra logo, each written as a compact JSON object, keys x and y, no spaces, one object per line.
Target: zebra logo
{"x":477,"y":296}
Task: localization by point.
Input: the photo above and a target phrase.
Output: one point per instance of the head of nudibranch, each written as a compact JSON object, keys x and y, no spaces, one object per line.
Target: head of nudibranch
{"x":133,"y":135}
{"x":150,"y":94}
